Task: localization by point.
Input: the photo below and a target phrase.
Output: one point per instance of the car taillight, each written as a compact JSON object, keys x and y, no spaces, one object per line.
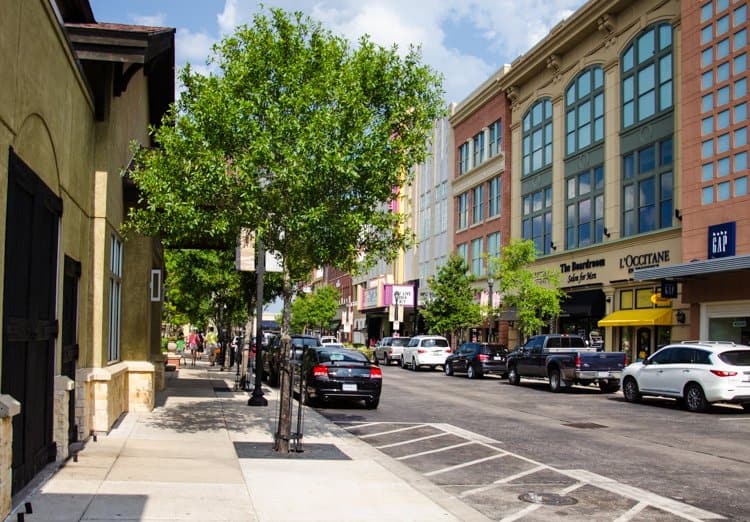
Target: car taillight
{"x":626,"y":360}
{"x":722,"y":373}
{"x":578,"y":361}
{"x":484,"y":357}
{"x":448,"y":350}
{"x":421,"y":350}
{"x":320,"y":371}
{"x":375,"y":372}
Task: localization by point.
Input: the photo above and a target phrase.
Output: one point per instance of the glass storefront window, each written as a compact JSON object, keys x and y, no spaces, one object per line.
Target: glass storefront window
{"x":735,"y":329}
{"x":643,"y":298}
{"x":626,"y":300}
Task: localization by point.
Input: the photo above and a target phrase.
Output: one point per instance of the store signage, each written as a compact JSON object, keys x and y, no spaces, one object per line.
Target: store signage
{"x":721,"y":240}
{"x":640,"y":261}
{"x":668,"y":289}
{"x":370,"y":298}
{"x":581,"y":271}
{"x":398,"y":295}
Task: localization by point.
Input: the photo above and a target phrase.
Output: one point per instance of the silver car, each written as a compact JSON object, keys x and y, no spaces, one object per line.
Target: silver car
{"x":390,"y":349}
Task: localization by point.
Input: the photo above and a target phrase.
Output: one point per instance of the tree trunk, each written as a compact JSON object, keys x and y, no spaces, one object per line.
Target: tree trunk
{"x":284,"y":430}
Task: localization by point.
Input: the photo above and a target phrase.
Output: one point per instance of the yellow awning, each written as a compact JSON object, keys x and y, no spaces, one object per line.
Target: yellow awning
{"x":645,"y":317}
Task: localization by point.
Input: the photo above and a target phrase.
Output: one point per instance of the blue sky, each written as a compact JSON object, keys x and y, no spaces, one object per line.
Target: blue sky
{"x":466,"y":41}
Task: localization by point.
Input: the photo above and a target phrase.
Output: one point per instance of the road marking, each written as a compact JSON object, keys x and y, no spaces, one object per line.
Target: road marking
{"x":734,"y":418}
{"x":392,"y":431}
{"x":629,"y":514}
{"x":502,"y":481}
{"x":641,"y":495}
{"x":413,"y":455}
{"x":525,"y":511}
{"x":465,"y":434}
{"x":355,"y":424}
{"x":443,"y":434}
{"x":465,"y":464}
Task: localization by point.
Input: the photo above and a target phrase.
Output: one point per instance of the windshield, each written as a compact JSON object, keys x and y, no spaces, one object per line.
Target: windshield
{"x":736,"y":357}
{"x":341,"y":355}
{"x":400,"y":341}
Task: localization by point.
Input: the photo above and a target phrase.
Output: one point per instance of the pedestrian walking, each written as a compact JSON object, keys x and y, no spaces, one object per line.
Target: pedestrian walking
{"x":193,"y":344}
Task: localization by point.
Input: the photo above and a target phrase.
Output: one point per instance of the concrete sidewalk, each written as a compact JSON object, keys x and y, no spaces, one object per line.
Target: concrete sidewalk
{"x":203,"y":454}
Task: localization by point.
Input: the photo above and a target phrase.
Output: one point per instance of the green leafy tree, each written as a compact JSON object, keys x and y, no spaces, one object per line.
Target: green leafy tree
{"x":315,"y":310}
{"x":452,"y":307}
{"x":534,"y":294}
{"x":301,"y":137}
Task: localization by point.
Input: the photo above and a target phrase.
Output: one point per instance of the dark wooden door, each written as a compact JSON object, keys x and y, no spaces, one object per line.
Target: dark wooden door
{"x":29,"y":322}
{"x":69,"y":336}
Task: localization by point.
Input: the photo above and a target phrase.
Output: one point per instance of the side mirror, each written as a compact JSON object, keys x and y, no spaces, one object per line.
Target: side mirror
{"x":646,"y":362}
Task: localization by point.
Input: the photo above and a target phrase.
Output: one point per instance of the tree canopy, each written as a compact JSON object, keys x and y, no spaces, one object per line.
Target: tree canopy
{"x":452,"y":306}
{"x":315,"y":310}
{"x":534,"y":294}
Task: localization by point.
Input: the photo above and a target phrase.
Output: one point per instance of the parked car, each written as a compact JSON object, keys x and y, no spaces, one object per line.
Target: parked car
{"x":332,"y":372}
{"x":565,"y":360}
{"x":272,"y":355}
{"x":390,"y":349}
{"x":425,"y":350}
{"x":477,"y":360}
{"x":696,"y":372}
{"x":328,"y":339}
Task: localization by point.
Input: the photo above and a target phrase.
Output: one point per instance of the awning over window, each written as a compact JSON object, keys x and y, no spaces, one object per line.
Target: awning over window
{"x":646,"y":317}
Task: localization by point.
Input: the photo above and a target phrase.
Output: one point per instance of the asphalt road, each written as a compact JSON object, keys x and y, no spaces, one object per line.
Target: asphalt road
{"x":489,"y":444}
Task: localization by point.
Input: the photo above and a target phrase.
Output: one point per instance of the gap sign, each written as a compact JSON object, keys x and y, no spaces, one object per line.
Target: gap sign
{"x":721,"y":240}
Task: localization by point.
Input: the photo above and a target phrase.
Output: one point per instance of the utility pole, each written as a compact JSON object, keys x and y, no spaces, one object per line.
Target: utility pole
{"x":257,"y":398}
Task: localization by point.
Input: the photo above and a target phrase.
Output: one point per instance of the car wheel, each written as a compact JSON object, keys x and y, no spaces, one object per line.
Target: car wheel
{"x":448,"y":368}
{"x":695,"y":399}
{"x":513,"y":377}
{"x":414,"y":366}
{"x":471,"y":372}
{"x":630,"y":390}
{"x":307,"y":400}
{"x":403,"y":363}
{"x":608,"y":386}
{"x":386,"y":359}
{"x":555,"y":382}
{"x":372,"y":403}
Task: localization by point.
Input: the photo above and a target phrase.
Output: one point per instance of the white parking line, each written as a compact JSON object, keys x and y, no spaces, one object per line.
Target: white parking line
{"x":465,"y":464}
{"x":355,"y":424}
{"x":629,"y":514}
{"x":392,"y":431}
{"x":465,"y":434}
{"x":438,"y":450}
{"x":504,"y":480}
{"x":418,"y":439}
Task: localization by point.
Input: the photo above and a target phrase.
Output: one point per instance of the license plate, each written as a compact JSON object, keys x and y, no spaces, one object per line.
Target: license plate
{"x":498,"y":358}
{"x":349,"y":387}
{"x":602,"y":374}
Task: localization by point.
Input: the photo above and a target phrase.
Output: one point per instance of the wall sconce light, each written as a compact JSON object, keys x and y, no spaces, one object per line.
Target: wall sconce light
{"x":606,"y":232}
{"x":680,"y":317}
{"x":609,"y":299}
{"x":678,"y":214}
{"x":552,"y":245}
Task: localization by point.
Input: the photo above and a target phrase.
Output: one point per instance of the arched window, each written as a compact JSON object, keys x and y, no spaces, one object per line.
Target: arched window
{"x":647,"y":75}
{"x":537,"y":137}
{"x":584,"y":110}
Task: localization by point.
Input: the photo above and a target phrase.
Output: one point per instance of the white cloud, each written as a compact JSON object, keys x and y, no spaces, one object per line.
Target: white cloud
{"x":192,"y":47}
{"x":157,"y":20}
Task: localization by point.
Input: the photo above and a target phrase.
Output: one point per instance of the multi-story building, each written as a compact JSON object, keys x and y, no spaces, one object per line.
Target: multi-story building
{"x":428,"y":204}
{"x":81,"y":303}
{"x":480,"y":179}
{"x":595,"y":179}
{"x":711,"y":277}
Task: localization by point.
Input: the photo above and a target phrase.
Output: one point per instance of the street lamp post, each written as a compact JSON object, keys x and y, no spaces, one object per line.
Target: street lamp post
{"x":490,"y":316}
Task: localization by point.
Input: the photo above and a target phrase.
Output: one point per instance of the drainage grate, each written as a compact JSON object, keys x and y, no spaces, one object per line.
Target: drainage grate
{"x":584,"y":425}
{"x":264,"y":450}
{"x":547,"y":499}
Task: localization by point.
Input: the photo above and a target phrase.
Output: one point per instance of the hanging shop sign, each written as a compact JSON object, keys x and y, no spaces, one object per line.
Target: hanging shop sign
{"x":721,"y":239}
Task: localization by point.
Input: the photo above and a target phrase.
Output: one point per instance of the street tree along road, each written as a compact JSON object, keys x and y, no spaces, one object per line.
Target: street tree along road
{"x":698,"y":460}
{"x":301,"y":137}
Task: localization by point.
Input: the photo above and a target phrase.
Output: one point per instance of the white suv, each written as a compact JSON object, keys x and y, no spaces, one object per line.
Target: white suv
{"x":698,"y":372}
{"x":425,"y":350}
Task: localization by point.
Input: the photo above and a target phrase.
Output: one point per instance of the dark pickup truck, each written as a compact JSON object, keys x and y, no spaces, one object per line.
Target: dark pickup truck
{"x":565,"y":360}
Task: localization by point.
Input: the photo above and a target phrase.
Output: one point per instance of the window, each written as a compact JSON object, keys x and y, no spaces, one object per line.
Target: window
{"x":722,"y":25}
{"x":708,"y":172}
{"x":707,"y":34}
{"x":537,"y":137}
{"x":707,"y":149}
{"x":584,"y":110}
{"x":478,"y":149}
{"x":740,"y":186}
{"x":584,"y":214}
{"x":477,"y":266}
{"x":723,"y":192}
{"x":722,"y":72}
{"x":647,"y":75}
{"x":740,"y":15}
{"x":722,"y":96}
{"x":478,"y":210}
{"x":496,"y":138}
{"x":740,"y":88}
{"x":463,"y":158}
{"x":707,"y":102}
{"x":740,"y":63}
{"x":648,"y":195}
{"x":723,"y":167}
{"x":707,"y":195}
{"x":707,"y":126}
{"x":740,"y":162}
{"x":740,"y":112}
{"x":493,"y":244}
{"x":115,"y":297}
{"x":722,"y":120}
{"x":740,"y":137}
{"x":740,"y":39}
{"x":463,"y":211}
{"x":495,"y":191}
{"x":707,"y":57}
{"x":707,"y":12}
{"x":462,"y":251}
{"x":536,"y":219}
{"x":722,"y":49}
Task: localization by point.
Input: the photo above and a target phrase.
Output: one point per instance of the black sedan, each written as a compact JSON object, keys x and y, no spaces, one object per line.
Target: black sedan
{"x":477,"y":360}
{"x":330,"y":372}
